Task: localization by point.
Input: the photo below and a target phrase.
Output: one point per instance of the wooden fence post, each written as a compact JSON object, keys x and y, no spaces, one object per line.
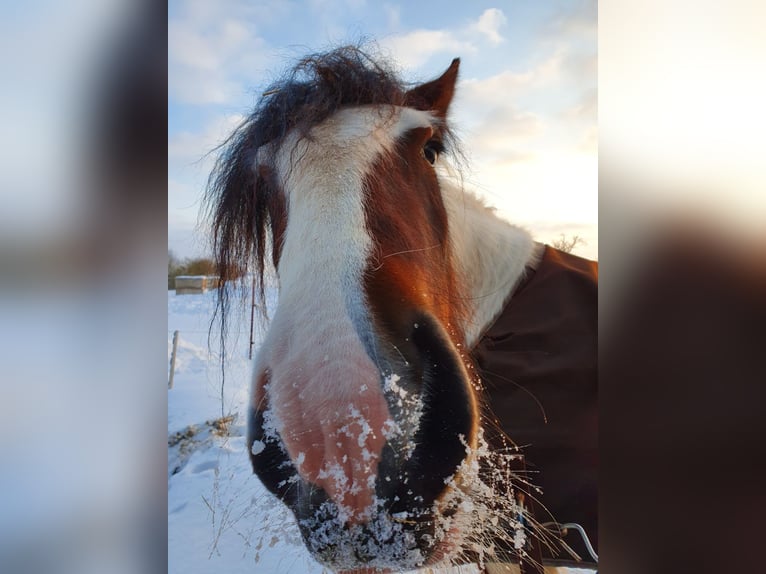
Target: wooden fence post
{"x":173,"y":359}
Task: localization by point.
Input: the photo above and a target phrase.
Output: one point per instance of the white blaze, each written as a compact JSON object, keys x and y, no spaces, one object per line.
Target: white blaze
{"x":326,"y":244}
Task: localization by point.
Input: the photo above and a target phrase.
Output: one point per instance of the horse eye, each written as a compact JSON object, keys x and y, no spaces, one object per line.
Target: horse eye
{"x":431,"y":151}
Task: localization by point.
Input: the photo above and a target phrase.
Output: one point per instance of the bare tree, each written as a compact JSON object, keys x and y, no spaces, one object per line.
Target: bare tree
{"x":568,"y":245}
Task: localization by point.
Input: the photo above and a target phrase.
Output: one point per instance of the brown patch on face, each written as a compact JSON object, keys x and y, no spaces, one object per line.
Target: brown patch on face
{"x":412,"y":265}
{"x":410,"y":278}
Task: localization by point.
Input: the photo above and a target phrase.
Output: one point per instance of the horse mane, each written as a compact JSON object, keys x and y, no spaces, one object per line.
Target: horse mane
{"x":239,"y":199}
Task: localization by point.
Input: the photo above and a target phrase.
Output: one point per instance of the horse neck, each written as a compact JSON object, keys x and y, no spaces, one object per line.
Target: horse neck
{"x":490,"y":256}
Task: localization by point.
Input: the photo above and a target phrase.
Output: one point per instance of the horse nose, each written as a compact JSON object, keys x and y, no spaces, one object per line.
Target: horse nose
{"x":331,"y":419}
{"x":340,"y":453}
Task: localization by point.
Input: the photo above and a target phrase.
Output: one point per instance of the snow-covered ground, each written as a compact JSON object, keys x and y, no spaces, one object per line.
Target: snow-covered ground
{"x":220,"y":518}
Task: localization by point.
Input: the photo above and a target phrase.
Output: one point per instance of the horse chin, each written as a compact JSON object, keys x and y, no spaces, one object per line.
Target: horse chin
{"x":385,"y":543}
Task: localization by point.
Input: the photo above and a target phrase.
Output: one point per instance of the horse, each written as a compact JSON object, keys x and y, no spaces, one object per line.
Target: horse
{"x":409,"y":404}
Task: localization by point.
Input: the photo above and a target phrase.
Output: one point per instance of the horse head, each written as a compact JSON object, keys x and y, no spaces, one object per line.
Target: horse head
{"x":364,"y":409}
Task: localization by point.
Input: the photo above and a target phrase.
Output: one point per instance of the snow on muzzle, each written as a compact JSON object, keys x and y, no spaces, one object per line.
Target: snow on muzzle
{"x":362,"y":451}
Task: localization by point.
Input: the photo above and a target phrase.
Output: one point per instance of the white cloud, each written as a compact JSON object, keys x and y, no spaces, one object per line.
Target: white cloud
{"x":196,"y":87}
{"x":189,"y":147}
{"x":505,"y":86}
{"x":188,"y":47}
{"x":496,"y":126}
{"x":533,"y":147}
{"x":577,"y":20}
{"x":502,"y":135}
{"x":489,"y":24}
{"x":508,"y":128}
{"x":210,"y":52}
{"x":586,"y":108}
{"x":414,"y":48}
{"x":555,"y":187}
{"x":393,"y":13}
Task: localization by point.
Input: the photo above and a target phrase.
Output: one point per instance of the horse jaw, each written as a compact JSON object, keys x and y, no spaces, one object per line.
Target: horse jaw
{"x":490,"y":255}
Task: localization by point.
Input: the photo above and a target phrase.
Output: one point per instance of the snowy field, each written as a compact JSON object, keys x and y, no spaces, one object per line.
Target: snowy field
{"x":220,"y":518}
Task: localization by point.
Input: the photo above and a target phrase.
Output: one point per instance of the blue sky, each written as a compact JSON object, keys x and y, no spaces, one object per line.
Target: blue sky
{"x":525,"y":108}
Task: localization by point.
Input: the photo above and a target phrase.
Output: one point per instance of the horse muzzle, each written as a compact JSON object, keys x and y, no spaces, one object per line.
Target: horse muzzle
{"x":367,"y":473}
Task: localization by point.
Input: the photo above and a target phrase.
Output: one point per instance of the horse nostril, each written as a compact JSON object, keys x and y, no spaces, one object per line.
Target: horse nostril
{"x":269,"y":460}
{"x":449,"y":417}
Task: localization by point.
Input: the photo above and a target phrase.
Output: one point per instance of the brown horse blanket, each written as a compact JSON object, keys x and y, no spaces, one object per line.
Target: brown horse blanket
{"x":538,"y":363}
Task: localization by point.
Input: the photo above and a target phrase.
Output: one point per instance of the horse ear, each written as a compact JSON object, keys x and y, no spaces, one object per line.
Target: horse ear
{"x":436,"y":95}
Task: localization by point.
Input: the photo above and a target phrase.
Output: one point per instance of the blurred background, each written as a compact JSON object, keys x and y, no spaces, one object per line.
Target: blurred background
{"x":83,"y":236}
{"x":82,"y":307}
{"x":682,"y":295}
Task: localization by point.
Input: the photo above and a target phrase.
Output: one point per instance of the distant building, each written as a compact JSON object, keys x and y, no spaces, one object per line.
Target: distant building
{"x":191,"y":284}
